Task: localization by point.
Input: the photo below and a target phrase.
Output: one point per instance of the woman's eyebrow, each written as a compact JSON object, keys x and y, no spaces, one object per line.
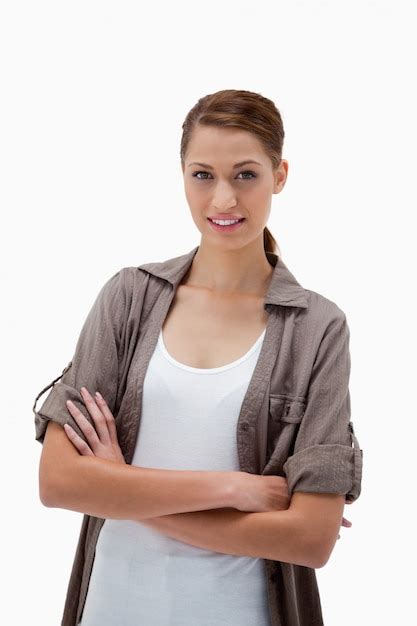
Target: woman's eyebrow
{"x":209,"y":167}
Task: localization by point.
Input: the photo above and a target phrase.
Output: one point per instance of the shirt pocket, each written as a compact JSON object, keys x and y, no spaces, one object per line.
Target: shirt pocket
{"x":285,"y":415}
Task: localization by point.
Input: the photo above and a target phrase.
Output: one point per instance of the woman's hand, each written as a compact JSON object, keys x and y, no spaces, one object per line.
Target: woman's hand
{"x":259,"y":493}
{"x":345,"y":522}
{"x":103,"y":438}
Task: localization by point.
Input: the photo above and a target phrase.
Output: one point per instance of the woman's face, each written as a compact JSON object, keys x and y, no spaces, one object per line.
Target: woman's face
{"x":214,"y":183}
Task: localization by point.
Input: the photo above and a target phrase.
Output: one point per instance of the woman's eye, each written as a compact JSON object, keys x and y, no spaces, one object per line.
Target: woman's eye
{"x":195,"y":174}
{"x":248,"y":172}
{"x":252,"y":175}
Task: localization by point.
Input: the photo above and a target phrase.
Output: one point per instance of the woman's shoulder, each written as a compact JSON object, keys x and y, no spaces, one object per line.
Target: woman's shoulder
{"x":121,"y":289}
{"x":131,"y":279}
{"x":322,"y":320}
{"x":130,"y":276}
{"x":322,"y":312}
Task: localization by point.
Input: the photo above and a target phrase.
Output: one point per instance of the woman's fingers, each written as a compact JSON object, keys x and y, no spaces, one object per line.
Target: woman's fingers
{"x":99,"y":420}
{"x":79,"y":443}
{"x":108,"y":416}
{"x":85,"y":426}
{"x":102,"y":436}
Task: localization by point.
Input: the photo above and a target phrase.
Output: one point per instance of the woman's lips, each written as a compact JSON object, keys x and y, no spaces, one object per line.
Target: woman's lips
{"x":226,"y":229}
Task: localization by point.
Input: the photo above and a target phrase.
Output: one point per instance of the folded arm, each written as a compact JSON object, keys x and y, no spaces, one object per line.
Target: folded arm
{"x":190,"y":506}
{"x":304,"y":534}
{"x":103,"y":488}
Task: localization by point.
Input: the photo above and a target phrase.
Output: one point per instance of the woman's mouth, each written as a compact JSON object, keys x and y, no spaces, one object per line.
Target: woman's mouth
{"x":225,"y":226}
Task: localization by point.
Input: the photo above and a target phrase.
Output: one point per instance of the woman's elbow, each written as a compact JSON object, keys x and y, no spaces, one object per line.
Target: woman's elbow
{"x":58,"y":455}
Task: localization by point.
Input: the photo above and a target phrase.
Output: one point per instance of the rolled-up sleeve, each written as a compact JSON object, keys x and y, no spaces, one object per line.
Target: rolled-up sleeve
{"x":327,"y":457}
{"x":94,"y":364}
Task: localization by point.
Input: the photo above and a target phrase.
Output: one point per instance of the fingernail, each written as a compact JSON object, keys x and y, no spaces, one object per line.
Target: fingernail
{"x":98,"y":395}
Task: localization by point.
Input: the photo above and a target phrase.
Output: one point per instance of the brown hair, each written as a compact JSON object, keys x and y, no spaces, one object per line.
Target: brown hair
{"x":238,"y":108}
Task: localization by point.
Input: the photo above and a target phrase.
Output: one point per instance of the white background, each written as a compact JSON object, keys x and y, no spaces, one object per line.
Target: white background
{"x":93,"y":98}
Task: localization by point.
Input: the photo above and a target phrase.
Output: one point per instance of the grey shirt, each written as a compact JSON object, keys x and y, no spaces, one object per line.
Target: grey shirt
{"x":295,"y":418}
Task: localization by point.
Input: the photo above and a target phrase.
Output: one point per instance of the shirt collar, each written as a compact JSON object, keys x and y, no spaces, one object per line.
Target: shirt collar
{"x":283,"y":289}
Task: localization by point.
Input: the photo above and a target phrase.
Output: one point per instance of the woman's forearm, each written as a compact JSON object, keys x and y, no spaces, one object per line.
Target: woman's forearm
{"x":106,"y":489}
{"x":276,"y":535}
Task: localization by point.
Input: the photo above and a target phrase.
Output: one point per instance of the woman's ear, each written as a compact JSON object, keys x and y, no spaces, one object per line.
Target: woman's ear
{"x":280,"y":176}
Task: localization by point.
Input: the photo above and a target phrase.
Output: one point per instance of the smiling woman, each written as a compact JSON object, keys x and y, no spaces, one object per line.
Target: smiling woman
{"x":253,"y":127}
{"x":218,"y":460}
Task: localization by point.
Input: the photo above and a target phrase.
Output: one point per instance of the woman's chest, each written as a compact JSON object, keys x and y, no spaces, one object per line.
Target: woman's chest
{"x":202,"y":334}
{"x":204,"y":331}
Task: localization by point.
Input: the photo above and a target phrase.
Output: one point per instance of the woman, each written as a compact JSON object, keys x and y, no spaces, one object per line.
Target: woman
{"x":213,"y":469}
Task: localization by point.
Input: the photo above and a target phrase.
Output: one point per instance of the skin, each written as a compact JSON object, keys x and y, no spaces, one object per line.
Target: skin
{"x":229,"y":265}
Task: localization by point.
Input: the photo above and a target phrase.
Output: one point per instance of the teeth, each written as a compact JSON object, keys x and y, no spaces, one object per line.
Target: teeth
{"x":225,"y":222}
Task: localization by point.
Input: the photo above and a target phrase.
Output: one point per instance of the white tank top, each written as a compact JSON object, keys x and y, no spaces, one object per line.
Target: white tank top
{"x":141,"y":577}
